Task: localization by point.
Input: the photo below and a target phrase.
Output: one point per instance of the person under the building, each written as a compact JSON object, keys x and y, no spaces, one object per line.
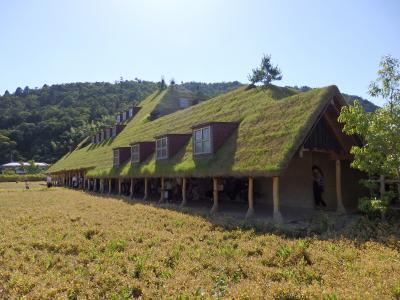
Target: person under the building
{"x":48,"y":181}
{"x":318,"y":186}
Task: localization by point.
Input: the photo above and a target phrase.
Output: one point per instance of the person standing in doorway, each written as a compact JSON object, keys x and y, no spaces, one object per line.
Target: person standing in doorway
{"x":318,"y":186}
{"x":48,"y":181}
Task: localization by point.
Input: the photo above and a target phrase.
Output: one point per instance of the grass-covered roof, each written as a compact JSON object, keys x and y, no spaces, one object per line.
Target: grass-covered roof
{"x":273,"y":124}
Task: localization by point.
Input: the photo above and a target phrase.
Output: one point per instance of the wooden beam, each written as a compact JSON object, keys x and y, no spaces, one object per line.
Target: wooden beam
{"x":162,"y":189}
{"x":214,"y":208}
{"x":132,"y":189}
{"x":339,"y":198}
{"x":119,"y":186}
{"x":250,"y":196}
{"x":146,"y":188}
{"x":341,"y":156}
{"x":109,"y":185}
{"x":184,"y":200}
{"x":275,"y":198}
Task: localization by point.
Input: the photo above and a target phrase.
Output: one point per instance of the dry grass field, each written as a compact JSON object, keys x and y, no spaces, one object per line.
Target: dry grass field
{"x":66,"y":244}
{"x":20,"y":186}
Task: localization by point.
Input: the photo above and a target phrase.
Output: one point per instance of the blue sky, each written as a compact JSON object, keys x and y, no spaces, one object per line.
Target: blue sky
{"x":315,"y":43}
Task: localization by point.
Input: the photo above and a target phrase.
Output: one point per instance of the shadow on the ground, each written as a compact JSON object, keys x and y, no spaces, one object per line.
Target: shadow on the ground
{"x":322,"y":224}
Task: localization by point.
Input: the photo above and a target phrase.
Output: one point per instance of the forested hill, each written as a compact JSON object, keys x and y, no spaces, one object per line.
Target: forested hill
{"x":41,"y":124}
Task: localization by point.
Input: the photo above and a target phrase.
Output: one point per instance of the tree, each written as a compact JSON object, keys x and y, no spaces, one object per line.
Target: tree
{"x":379,"y":130}
{"x":18,"y":91}
{"x":266,"y":73}
{"x":6,"y":93}
{"x":6,"y":146}
{"x":162,"y":85}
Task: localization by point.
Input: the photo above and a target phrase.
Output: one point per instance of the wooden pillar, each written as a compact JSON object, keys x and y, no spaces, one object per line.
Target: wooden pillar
{"x":184,"y":200}
{"x":162,"y":189}
{"x":102,"y":185}
{"x":250,"y":197}
{"x":275,"y":197}
{"x":95,"y":185}
{"x":214,"y":208}
{"x":119,"y":186}
{"x":109,"y":185}
{"x":382,"y":185}
{"x":146,"y":189}
{"x":132,"y":189}
{"x":339,"y":196}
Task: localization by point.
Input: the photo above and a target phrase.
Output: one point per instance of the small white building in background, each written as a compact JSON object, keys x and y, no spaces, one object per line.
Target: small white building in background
{"x":19,"y":167}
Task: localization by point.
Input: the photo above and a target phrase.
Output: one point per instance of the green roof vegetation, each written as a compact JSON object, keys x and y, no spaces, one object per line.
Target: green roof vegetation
{"x":273,"y":124}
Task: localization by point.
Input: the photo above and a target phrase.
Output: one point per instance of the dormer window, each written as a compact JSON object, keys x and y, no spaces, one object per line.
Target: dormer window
{"x":135,"y":154}
{"x":114,"y":131}
{"x":131,"y":112}
{"x":202,"y":140}
{"x":162,"y":148}
{"x":118,"y":118}
{"x":209,"y":137}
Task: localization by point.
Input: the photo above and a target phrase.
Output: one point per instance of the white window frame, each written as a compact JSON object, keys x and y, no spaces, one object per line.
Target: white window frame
{"x":116,"y":157}
{"x":123,"y":116}
{"x":130,"y":113}
{"x":114,"y":131}
{"x":202,"y":140}
{"x":135,"y":157}
{"x":162,"y":149}
{"x":118,"y":118}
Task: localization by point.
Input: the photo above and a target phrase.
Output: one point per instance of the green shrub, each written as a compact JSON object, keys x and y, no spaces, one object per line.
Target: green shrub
{"x":373,"y":208}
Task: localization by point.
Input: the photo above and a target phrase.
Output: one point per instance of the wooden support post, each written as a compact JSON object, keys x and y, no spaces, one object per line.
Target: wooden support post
{"x":339,"y":197}
{"x":146,"y":188}
{"x":94,"y":184}
{"x":214,"y":208}
{"x":132,"y":189}
{"x":162,"y":189}
{"x":102,"y":185}
{"x":184,"y":200}
{"x":250,"y":196}
{"x":119,"y":186}
{"x":382,"y":185}
{"x":275,"y":197}
{"x":109,"y":185}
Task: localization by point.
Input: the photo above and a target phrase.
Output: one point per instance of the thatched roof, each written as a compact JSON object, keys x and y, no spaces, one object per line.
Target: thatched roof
{"x":273,"y":123}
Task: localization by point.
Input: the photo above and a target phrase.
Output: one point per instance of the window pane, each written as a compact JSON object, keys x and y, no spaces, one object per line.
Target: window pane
{"x":206,"y":147}
{"x":206,"y":133}
{"x":198,"y":147}
{"x":197,"y":135}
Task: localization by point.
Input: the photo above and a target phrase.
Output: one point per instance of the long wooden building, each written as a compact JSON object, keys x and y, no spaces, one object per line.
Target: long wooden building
{"x":255,"y":147}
